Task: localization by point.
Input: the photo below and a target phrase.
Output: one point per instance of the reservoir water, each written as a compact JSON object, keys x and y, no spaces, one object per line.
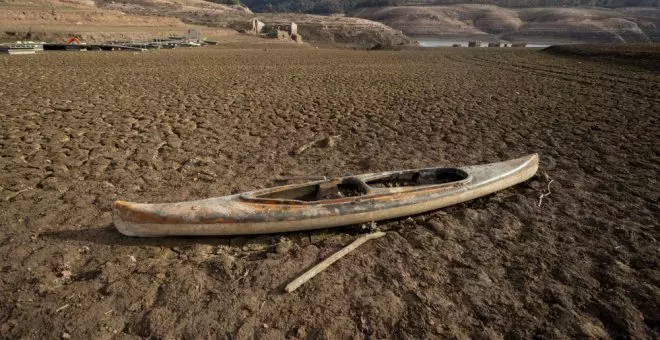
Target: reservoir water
{"x":449,"y":43}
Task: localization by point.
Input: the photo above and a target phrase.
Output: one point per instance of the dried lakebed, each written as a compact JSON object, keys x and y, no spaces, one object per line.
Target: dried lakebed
{"x":80,"y":130}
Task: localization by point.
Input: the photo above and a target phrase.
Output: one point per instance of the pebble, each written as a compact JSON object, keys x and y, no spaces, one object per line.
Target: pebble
{"x":222,"y":249}
{"x":592,"y":331}
{"x":623,"y":266}
{"x":257,"y":244}
{"x":440,"y":229}
{"x":284,"y":246}
{"x":66,"y":335}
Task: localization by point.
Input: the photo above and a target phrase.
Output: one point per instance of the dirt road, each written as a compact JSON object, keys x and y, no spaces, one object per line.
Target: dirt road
{"x":80,"y":130}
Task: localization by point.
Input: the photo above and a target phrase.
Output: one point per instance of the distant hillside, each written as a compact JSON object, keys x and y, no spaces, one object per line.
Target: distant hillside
{"x":97,"y":21}
{"x":100,"y":12}
{"x":177,"y":8}
{"x":338,"y":6}
{"x":112,"y":19}
{"x":336,"y":29}
{"x":630,"y":24}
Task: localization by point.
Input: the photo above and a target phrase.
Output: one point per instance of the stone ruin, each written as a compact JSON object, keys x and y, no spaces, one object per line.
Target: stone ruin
{"x":288,"y":31}
{"x":257,"y":26}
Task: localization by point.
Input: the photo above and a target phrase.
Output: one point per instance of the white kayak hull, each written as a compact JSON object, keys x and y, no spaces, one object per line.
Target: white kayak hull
{"x":303,"y":207}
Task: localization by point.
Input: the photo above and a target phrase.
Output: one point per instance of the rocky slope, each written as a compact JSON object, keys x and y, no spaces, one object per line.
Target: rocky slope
{"x":98,"y":21}
{"x":334,"y":29}
{"x":336,"y":6}
{"x":631,"y":24}
{"x":186,"y":10}
{"x":45,"y":18}
{"x":143,"y":13}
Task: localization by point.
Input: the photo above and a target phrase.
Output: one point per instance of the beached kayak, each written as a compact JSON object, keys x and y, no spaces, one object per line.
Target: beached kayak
{"x":323,"y":204}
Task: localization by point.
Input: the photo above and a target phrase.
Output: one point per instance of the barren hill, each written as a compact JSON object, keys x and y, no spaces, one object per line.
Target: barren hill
{"x":334,"y":6}
{"x":100,"y":20}
{"x":341,"y":29}
{"x":94,"y":20}
{"x":15,"y":13}
{"x":630,"y":24}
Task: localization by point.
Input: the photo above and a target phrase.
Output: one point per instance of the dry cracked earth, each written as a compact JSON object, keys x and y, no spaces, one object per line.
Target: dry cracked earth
{"x":79,"y":130}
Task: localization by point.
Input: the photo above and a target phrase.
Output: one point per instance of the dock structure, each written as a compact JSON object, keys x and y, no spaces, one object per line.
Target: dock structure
{"x":65,"y":47}
{"x":20,"y":48}
{"x":193,"y":38}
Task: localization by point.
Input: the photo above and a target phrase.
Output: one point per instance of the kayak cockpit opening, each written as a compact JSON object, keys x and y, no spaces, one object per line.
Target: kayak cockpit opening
{"x":417,"y":178}
{"x":304,"y":193}
{"x":352,"y":187}
{"x":348,"y":187}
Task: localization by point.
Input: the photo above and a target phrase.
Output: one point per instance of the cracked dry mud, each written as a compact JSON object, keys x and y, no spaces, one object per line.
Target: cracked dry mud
{"x":80,"y":130}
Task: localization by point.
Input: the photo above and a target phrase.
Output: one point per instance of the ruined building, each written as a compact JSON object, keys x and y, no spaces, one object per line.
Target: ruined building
{"x":278,"y":30}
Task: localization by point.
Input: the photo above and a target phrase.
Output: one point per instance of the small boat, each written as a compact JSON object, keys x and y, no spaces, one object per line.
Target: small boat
{"x":325,"y":203}
{"x":190,"y":44}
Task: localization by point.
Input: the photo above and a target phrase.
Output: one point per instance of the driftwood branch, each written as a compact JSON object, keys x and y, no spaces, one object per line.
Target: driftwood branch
{"x":325,"y":141}
{"x":330,"y":260}
{"x":545,"y":194}
{"x":299,"y":178}
{"x":14,"y":194}
{"x":158,"y":147}
{"x":62,"y":308}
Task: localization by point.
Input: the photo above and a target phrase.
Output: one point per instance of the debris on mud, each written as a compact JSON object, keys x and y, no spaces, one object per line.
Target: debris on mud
{"x":324,"y":142}
{"x":308,"y":275}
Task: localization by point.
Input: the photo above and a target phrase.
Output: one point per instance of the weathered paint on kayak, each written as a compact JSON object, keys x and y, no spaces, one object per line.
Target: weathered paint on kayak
{"x":323,"y":204}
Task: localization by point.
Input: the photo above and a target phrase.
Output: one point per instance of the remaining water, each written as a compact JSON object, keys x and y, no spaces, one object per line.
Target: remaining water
{"x":449,"y":43}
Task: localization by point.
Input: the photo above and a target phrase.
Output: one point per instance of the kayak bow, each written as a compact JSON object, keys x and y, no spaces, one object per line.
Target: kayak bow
{"x":323,"y":204}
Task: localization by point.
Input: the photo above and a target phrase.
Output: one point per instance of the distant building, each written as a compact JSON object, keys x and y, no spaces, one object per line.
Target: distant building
{"x":257,"y":26}
{"x":283,"y":31}
{"x":194,"y":35}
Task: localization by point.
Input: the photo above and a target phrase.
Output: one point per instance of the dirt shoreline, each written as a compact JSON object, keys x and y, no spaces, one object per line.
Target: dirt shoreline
{"x":83,"y":129}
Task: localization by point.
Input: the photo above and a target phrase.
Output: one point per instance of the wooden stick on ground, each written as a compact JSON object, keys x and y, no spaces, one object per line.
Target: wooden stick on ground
{"x":545,"y":194}
{"x":12,"y":195}
{"x":330,"y":260}
{"x":330,"y":141}
{"x":299,"y":178}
